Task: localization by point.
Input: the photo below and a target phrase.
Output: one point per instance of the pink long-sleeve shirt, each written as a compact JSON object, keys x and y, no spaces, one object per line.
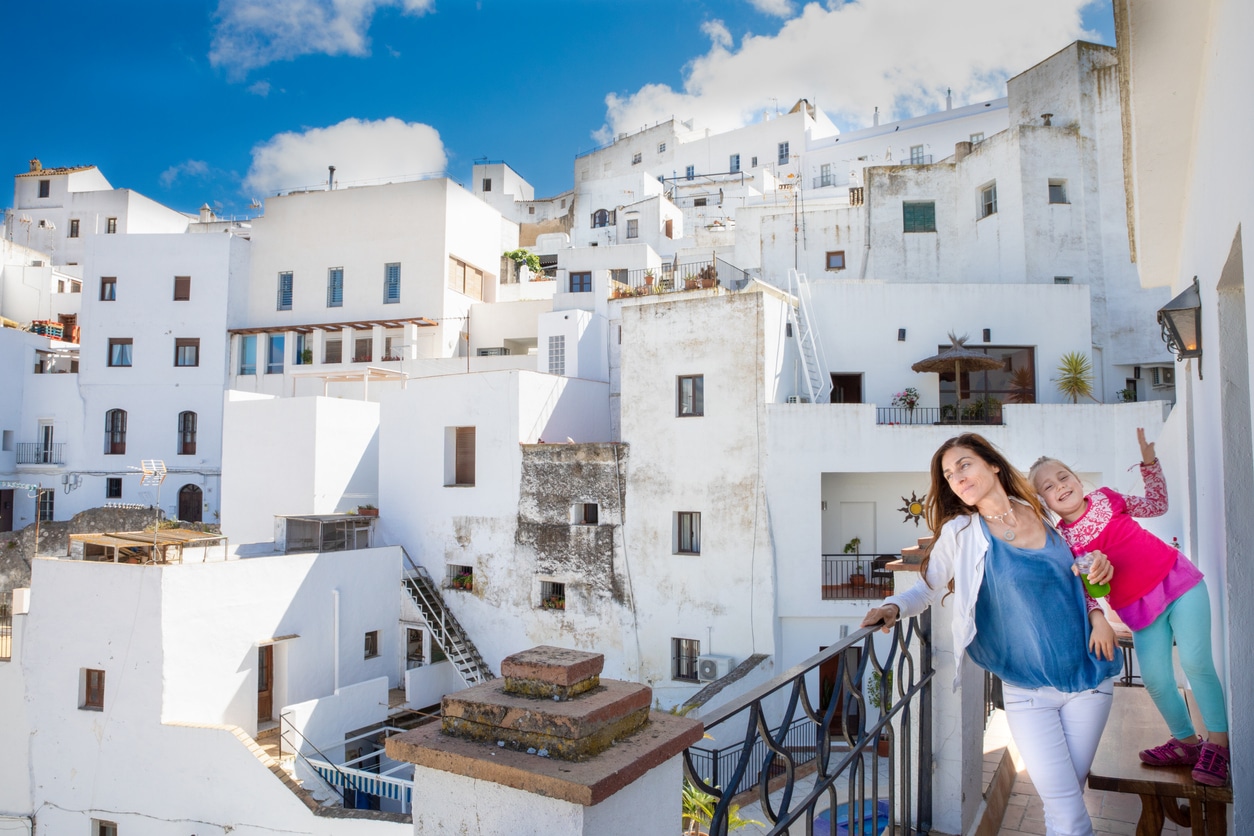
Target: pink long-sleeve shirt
{"x":1149,"y":574}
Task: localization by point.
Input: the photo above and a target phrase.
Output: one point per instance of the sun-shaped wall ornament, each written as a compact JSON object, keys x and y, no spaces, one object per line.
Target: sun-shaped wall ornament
{"x":913,"y":508}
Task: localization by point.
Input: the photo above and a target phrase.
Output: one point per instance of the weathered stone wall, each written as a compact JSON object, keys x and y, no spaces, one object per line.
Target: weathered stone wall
{"x":18,"y":547}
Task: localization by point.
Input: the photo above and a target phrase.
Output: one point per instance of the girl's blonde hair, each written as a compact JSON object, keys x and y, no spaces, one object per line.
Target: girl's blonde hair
{"x":1041,"y":462}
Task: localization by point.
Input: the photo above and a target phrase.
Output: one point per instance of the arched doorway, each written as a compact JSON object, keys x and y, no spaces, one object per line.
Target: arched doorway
{"x":190,"y":503}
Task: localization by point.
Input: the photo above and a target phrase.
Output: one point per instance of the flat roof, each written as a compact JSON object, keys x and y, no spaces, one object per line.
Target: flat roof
{"x":164,"y":537}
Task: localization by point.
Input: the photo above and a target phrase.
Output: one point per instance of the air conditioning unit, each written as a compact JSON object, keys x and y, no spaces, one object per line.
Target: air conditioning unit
{"x":500,"y":351}
{"x":1162,"y":376}
{"x":798,"y":399}
{"x":712,"y":666}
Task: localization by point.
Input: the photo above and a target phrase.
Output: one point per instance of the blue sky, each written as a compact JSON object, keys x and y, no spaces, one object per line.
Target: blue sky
{"x":220,"y":101}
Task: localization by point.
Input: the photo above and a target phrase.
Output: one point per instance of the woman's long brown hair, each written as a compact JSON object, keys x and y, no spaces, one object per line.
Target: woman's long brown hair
{"x":943,"y":505}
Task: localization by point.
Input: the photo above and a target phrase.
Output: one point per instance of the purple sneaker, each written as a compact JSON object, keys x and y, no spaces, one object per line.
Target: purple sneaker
{"x":1212,"y":765}
{"x":1172,"y":753}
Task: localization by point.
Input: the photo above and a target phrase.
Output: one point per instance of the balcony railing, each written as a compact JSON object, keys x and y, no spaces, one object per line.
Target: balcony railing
{"x":822,"y":182}
{"x":781,"y":730}
{"x":852,"y":577}
{"x":981,"y":413}
{"x":38,"y":453}
{"x":917,"y":159}
{"x":676,"y":276}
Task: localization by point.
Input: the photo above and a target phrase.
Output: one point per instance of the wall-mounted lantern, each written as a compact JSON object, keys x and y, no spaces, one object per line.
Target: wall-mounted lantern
{"x":1181,"y":320}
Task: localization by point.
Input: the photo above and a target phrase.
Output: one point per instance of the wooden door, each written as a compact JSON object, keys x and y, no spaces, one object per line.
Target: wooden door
{"x":6,"y":510}
{"x":832,"y":686}
{"x":190,"y":503}
{"x":265,"y":683}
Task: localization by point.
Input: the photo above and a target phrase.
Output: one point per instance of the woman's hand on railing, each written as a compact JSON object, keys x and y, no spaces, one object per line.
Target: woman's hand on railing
{"x":884,"y":617}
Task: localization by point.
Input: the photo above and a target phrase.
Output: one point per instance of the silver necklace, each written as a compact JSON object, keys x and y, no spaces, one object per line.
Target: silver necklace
{"x":1007,"y":535}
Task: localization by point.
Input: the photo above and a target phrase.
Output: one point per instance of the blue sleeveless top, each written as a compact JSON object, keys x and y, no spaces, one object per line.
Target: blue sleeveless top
{"x":1031,"y":625}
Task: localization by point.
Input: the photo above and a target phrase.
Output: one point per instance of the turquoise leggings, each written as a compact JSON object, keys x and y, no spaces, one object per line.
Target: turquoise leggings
{"x":1187,"y":620}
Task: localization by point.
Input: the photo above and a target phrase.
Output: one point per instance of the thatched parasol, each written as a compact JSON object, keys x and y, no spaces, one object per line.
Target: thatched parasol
{"x":959,"y":358}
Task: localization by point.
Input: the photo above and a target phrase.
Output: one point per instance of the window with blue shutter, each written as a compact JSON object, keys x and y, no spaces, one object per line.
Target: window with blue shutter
{"x":285,"y":292}
{"x":391,"y":283}
{"x":335,"y":287}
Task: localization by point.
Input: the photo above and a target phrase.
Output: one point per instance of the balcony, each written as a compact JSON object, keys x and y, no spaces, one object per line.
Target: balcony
{"x":676,"y":276}
{"x":857,"y":577}
{"x":39,"y":453}
{"x":980,"y":413}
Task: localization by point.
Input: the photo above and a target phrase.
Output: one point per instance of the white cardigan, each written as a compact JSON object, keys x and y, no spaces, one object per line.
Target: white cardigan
{"x":958,"y":553}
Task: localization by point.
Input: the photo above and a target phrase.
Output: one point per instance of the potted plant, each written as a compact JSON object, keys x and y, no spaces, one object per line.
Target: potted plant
{"x":306,"y":357}
{"x":531,"y":261}
{"x":648,"y":277}
{"x":463,"y":580}
{"x":1126,"y":395}
{"x":856,"y":578}
{"x":367,"y":511}
{"x":554,"y":602}
{"x":881,"y":698}
{"x":698,"y":810}
{"x":907,"y":399}
{"x":1075,"y":376}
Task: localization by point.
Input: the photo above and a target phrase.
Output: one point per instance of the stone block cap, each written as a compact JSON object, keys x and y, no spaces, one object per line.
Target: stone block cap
{"x":547,"y":671}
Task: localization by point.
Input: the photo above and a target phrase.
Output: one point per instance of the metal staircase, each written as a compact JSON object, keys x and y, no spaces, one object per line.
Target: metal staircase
{"x":816,"y":382}
{"x":445,"y":630}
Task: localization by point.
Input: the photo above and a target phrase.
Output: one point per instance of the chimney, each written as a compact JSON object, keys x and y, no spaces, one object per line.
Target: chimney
{"x":1048,"y":117}
{"x":961,"y":150}
{"x":875,"y":119}
{"x":206,"y":214}
{"x":330,"y":177}
{"x":36,"y":165}
{"x":949,"y":98}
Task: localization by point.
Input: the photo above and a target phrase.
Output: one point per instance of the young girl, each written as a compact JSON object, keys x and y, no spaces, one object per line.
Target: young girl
{"x":1159,"y":594}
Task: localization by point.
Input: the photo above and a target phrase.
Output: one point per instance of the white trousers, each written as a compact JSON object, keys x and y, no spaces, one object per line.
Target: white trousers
{"x":1057,"y":735}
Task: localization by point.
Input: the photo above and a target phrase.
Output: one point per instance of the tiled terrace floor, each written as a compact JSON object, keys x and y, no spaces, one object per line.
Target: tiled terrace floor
{"x":1114,"y":814}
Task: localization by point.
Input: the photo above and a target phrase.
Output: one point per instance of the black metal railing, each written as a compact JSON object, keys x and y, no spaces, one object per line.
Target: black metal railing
{"x":983,"y":412}
{"x":849,"y":756}
{"x":857,"y":576}
{"x":992,"y":695}
{"x":36,"y":452}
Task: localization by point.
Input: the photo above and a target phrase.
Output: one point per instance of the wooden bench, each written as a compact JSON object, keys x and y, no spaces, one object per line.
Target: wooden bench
{"x":1135,"y":724}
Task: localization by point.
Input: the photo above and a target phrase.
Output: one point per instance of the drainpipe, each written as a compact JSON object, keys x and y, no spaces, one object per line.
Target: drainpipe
{"x":866,"y":209}
{"x":335,"y":639}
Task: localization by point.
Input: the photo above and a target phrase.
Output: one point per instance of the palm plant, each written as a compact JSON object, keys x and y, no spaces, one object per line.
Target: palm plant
{"x":1075,"y":376}
{"x":699,"y":810}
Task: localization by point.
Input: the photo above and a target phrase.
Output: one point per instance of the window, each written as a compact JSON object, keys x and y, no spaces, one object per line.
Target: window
{"x":119,"y":351}
{"x":363,"y":347}
{"x":836,"y":260}
{"x":753,"y":162}
{"x":552,"y":595}
{"x":335,"y":287}
{"x":113,"y":487}
{"x":916,"y":155}
{"x":187,"y":351}
{"x":531,"y":210}
{"x":47,"y":499}
{"x":108,"y":288}
{"x":274,"y":354}
{"x":45,"y":188}
{"x":581,"y":282}
{"x":988,"y":200}
{"x":600,"y":218}
{"x":733,"y":163}
{"x":690,"y":172}
{"x":688,"y":532}
{"x":91,"y":697}
{"x":248,"y":354}
{"x":391,"y":283}
{"x":919,"y":216}
{"x":982,"y":393}
{"x":299,"y":356}
{"x":99,"y":827}
{"x":684,"y":653}
{"x":372,"y":644}
{"x":825,"y":174}
{"x":1062,"y":280}
{"x":465,"y":279}
{"x":115,"y":432}
{"x":633,"y":228}
{"x":111,"y":226}
{"x":783,"y":153}
{"x":977,"y":138}
{"x":284,"y":302}
{"x":557,"y":355}
{"x":182,"y":288}
{"x":333,"y":350}
{"x":487,"y":184}
{"x":700,"y":201}
{"x":73,"y":233}
{"x":636,"y":158}
{"x":187,"y":434}
{"x":413,"y":648}
{"x":584,"y":513}
{"x":691,"y":395}
{"x":1057,"y":191}
{"x":661,"y":147}
{"x":459,"y":456}
{"x":6,"y":441}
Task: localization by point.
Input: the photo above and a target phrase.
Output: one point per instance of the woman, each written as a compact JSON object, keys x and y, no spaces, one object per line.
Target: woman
{"x":1021,"y":614}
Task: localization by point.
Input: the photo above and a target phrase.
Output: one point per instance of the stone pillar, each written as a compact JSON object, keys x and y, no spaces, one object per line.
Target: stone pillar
{"x":551,"y":749}
{"x":957,"y":722}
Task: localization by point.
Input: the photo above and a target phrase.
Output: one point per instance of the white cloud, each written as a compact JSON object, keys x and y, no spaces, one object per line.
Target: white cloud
{"x":253,"y":33}
{"x":718,"y":34}
{"x":359,"y":150}
{"x":196,"y":169}
{"x":899,"y":55}
{"x":777,"y":8}
{"x":260,"y":88}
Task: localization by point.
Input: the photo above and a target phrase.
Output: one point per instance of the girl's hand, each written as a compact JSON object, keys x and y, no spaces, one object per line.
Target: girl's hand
{"x":1102,"y":640}
{"x":1147,"y":449}
{"x":889,"y":613}
{"x":1101,"y":571}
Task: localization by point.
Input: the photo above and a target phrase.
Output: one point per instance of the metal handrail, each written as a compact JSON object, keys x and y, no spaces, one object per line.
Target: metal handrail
{"x":455,"y":652}
{"x":296,"y":752}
